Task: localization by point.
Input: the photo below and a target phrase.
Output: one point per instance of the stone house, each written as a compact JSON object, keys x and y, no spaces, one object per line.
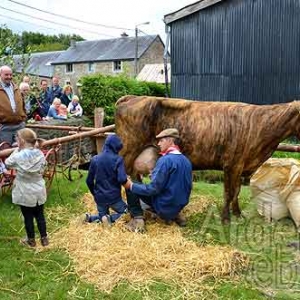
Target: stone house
{"x":108,"y":57}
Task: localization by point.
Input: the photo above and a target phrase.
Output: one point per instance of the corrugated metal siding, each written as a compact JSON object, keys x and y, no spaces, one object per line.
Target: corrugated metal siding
{"x":238,"y":50}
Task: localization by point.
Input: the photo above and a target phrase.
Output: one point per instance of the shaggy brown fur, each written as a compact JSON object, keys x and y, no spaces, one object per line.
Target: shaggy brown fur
{"x":234,"y":137}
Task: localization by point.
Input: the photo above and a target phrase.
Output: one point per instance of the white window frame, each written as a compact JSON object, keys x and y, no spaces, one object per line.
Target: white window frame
{"x":91,"y":66}
{"x":114,"y":65}
{"x":72,"y":66}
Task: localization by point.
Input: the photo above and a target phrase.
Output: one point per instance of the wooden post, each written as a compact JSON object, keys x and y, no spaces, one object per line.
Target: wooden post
{"x":98,"y":120}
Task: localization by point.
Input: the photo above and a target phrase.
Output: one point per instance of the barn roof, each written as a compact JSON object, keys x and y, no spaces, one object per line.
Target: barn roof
{"x":188,"y":10}
{"x":39,"y":63}
{"x":154,"y":73}
{"x":105,"y":50}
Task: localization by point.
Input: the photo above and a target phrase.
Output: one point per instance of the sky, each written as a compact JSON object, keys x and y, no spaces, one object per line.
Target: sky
{"x":20,"y":15}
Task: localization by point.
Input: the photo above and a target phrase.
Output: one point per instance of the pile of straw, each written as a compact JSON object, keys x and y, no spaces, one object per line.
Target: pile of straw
{"x":107,"y":256}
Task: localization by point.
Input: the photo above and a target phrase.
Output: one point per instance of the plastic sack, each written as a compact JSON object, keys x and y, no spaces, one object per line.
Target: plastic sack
{"x":275,"y":187}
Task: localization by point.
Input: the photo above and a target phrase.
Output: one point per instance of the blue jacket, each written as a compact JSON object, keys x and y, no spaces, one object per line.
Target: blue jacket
{"x":52,"y":113}
{"x":170,"y":186}
{"x":45,"y":102}
{"x":55,"y":92}
{"x":107,"y":172}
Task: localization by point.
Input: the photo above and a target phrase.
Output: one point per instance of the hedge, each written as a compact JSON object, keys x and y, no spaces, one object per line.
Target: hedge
{"x":103,"y":91}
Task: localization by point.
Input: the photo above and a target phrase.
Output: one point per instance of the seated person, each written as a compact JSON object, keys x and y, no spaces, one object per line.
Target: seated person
{"x":66,"y":97}
{"x":74,"y":108}
{"x":63,"y":111}
{"x":54,"y":110}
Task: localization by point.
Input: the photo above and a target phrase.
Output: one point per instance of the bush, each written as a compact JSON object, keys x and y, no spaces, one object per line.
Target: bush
{"x":103,"y":91}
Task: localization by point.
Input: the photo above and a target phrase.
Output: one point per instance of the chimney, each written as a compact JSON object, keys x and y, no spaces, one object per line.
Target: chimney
{"x":72,"y":43}
{"x":124,"y":34}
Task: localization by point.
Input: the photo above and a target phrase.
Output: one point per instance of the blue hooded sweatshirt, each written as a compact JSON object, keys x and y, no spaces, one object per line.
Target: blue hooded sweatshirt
{"x":107,"y":172}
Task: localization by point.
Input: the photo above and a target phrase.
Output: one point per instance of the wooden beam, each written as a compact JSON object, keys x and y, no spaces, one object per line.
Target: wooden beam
{"x":64,"y":139}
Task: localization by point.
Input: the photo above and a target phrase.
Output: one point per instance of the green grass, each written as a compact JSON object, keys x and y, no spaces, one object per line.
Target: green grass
{"x":281,"y":154}
{"x":272,"y":270}
{"x":26,"y":274}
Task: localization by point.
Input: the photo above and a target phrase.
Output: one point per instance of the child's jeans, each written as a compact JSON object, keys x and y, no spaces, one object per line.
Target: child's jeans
{"x":120,"y":208}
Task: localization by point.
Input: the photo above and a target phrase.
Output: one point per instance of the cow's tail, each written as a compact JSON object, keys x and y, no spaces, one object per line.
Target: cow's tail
{"x":124,"y":99}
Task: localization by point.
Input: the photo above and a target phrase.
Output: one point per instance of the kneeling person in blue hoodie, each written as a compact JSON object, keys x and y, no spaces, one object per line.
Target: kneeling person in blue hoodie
{"x":105,"y":178}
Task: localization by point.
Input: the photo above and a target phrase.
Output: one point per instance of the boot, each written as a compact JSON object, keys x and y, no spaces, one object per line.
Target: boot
{"x":136,"y":224}
{"x":28,"y":242}
{"x":44,"y":241}
{"x":180,"y":220}
{"x":106,"y":221}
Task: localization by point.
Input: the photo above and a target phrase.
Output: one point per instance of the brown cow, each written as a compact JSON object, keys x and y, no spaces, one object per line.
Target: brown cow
{"x":234,"y":137}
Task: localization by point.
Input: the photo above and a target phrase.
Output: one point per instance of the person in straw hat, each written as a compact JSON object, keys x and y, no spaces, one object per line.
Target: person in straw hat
{"x":170,"y":187}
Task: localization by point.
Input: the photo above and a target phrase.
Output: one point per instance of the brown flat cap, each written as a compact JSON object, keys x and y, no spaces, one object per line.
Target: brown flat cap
{"x":169,"y":132}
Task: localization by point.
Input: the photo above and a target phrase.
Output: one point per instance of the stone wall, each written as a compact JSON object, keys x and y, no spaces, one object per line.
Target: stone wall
{"x":87,"y":145}
{"x":154,"y":55}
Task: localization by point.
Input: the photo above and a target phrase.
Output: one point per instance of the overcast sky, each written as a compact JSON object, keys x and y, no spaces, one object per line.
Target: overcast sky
{"x":125,"y":14}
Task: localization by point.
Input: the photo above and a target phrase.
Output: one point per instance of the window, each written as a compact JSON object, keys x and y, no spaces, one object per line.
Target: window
{"x":68,"y":82}
{"x":91,"y":67}
{"x":69,"y":68}
{"x":117,"y":66}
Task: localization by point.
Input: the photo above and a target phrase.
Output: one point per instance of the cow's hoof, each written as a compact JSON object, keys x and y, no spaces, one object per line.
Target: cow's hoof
{"x":294,"y":244}
{"x":225,"y":221}
{"x":236,"y":212}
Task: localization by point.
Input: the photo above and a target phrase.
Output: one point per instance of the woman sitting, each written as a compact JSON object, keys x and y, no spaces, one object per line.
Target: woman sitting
{"x":74,"y":108}
{"x":54,"y":110}
{"x":67,"y":95}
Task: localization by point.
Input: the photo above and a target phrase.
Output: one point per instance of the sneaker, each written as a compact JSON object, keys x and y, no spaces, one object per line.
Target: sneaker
{"x":87,"y":218}
{"x":106,"y":221}
{"x":180,"y":220}
{"x":136,"y":225}
{"x":28,"y":242}
{"x":44,"y":241}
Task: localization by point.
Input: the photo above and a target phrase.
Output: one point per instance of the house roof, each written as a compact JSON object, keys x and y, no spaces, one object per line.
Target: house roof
{"x":154,"y":73}
{"x":106,"y":50}
{"x":188,"y":10}
{"x":39,"y":63}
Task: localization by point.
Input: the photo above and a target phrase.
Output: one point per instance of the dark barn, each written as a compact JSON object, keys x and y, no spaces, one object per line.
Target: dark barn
{"x":236,"y":50}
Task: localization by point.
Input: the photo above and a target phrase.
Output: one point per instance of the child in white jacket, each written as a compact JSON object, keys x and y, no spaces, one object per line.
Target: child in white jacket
{"x":74,"y":108}
{"x":29,"y":189}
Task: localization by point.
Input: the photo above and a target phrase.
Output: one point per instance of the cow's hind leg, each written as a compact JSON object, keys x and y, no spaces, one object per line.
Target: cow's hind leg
{"x":235,"y":199}
{"x":232,"y":183}
{"x":227,"y":198}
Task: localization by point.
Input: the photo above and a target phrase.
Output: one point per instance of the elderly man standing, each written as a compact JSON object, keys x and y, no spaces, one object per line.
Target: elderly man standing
{"x":170,"y":187}
{"x":55,"y":91}
{"x":12,"y":112}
